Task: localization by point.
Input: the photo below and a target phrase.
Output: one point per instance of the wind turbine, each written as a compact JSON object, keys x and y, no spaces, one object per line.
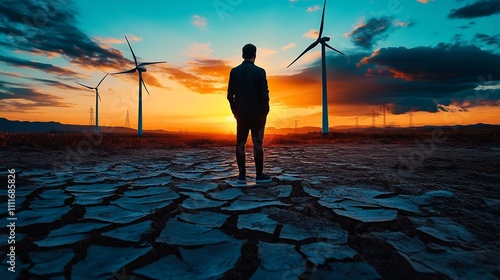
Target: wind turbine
{"x":96,"y":102}
{"x":139,"y":68}
{"x":323,"y":41}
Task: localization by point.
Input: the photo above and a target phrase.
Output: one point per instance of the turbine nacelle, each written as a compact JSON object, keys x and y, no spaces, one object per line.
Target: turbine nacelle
{"x":324,"y":39}
{"x":142,"y":69}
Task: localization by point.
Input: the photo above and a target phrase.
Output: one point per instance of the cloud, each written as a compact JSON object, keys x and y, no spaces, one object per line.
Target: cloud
{"x":13,"y":75}
{"x":56,"y":84}
{"x":50,"y":27}
{"x":21,"y":99}
{"x":403,"y":23}
{"x":313,"y":34}
{"x":202,"y":75}
{"x":313,"y":9}
{"x":481,"y":8}
{"x":289,"y":46}
{"x":489,"y":40}
{"x":107,"y":42}
{"x":199,"y":50}
{"x":444,"y":63}
{"x":411,"y":79}
{"x":265,"y":52}
{"x":469,"y":25}
{"x":366,"y":35}
{"x":110,"y":41}
{"x":199,"y":22}
{"x":46,"y":67}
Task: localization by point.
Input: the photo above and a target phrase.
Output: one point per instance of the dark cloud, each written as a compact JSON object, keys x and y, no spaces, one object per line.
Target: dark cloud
{"x":368,"y":34}
{"x":46,"y":67}
{"x":444,"y":63}
{"x":489,"y":40}
{"x":20,"y":99}
{"x":56,"y":84}
{"x":480,"y":8}
{"x":12,"y":75}
{"x":469,"y":25}
{"x":410,"y":79}
{"x":49,"y":27}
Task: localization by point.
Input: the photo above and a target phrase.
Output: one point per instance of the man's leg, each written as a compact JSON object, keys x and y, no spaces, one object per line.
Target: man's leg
{"x":241,"y":139}
{"x":257,"y":128}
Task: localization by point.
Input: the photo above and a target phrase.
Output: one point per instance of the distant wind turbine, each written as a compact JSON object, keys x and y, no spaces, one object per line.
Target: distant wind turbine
{"x":323,"y":41}
{"x":139,"y":68}
{"x":96,"y":102}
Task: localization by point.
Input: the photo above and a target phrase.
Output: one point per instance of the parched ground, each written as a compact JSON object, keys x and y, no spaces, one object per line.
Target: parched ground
{"x":333,"y":211}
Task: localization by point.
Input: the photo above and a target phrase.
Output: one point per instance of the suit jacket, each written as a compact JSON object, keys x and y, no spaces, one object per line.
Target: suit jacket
{"x":247,"y":91}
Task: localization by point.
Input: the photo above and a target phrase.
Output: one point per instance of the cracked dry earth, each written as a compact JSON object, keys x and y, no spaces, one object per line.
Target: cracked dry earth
{"x":339,"y":211}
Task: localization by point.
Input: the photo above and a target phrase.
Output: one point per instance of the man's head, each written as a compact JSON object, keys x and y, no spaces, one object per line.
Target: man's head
{"x":249,"y":52}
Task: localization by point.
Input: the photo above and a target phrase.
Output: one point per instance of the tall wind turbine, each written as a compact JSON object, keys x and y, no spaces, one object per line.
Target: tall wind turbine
{"x":139,"y":68}
{"x":323,"y":41}
{"x":96,"y":102}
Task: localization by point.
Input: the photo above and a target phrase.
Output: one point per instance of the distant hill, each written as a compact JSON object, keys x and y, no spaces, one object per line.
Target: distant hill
{"x":54,"y":127}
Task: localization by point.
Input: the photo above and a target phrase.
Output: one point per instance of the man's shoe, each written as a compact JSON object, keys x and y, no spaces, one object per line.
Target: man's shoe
{"x":263,"y":178}
{"x":242,"y":179}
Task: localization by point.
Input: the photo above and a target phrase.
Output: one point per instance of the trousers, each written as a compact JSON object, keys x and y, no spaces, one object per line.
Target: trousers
{"x":256,"y":126}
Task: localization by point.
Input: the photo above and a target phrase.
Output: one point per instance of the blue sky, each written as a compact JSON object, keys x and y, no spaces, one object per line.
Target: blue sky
{"x":437,"y":59}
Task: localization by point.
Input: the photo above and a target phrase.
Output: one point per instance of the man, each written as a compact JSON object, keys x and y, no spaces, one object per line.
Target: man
{"x":248,"y":97}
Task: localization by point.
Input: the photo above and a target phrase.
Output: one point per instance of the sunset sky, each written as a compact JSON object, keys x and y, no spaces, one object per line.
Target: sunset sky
{"x":438,"y":59}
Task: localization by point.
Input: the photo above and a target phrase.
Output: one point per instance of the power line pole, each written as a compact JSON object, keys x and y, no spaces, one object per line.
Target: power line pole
{"x":373,"y":114}
{"x":411,"y":119}
{"x":357,"y":122}
{"x":127,"y":120}
{"x":91,"y":119}
{"x":384,"y":109}
{"x":296,"y":129}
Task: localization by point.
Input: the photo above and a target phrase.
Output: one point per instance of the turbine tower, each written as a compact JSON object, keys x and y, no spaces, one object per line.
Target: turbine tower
{"x":140,"y":69}
{"x":323,"y":41}
{"x":96,"y":88}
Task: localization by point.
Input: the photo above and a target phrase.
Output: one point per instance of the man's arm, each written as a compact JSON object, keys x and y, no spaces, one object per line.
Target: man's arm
{"x":231,"y":92}
{"x":264,"y":92}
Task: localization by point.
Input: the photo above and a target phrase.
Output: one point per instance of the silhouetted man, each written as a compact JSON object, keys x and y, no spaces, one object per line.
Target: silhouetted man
{"x":248,"y":96}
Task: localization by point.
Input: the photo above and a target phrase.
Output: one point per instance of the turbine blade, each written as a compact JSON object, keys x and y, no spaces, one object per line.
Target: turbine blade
{"x":149,"y":63}
{"x":125,"y":72}
{"x":144,"y":84}
{"x":96,"y":92}
{"x":326,"y":44}
{"x":102,"y":80}
{"x":133,"y":54}
{"x":308,"y":49}
{"x":322,"y":21}
{"x":84,"y":85}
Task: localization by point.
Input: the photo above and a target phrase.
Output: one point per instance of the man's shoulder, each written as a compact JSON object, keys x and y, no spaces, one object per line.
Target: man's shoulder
{"x":259,"y":68}
{"x":247,"y":66}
